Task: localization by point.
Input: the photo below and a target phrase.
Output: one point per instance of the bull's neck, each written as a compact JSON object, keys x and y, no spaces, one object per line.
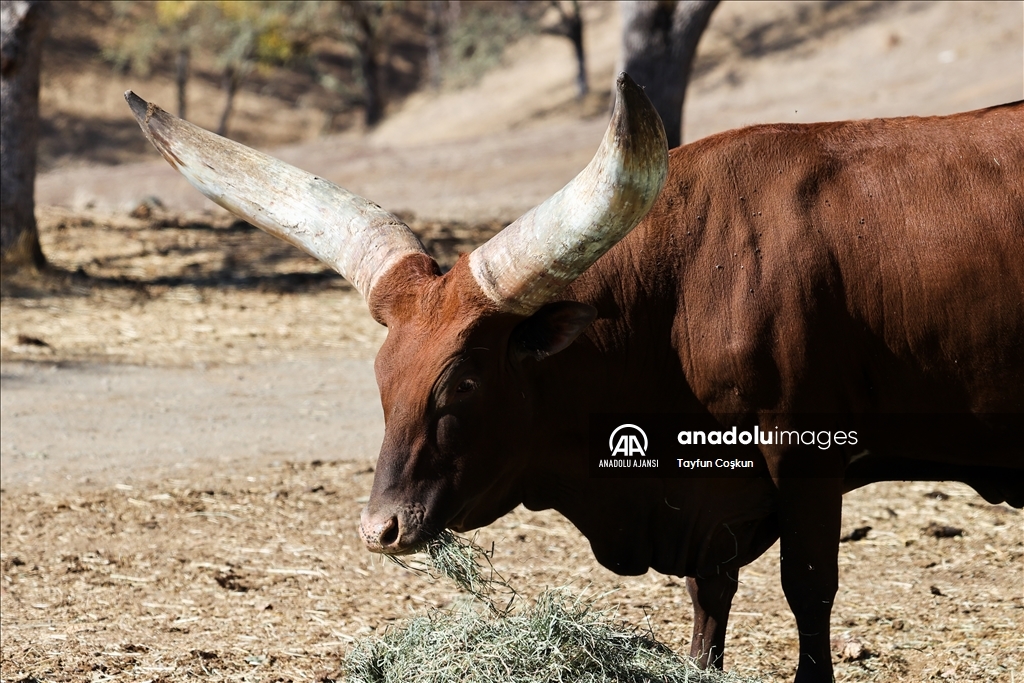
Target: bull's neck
{"x":625,"y":362}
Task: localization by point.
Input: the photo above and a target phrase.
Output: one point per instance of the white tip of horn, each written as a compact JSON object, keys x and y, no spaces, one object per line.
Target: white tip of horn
{"x":532,"y":260}
{"x":350,"y":234}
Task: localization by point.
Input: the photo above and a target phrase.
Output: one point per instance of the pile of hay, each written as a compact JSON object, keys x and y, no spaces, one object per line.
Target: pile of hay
{"x":559,"y":638}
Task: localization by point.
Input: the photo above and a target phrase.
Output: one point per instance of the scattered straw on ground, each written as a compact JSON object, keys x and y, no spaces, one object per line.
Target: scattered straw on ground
{"x":171,"y":289}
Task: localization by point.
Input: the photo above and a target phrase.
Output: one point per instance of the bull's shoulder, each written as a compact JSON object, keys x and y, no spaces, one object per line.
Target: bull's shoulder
{"x":883,"y":238}
{"x":782,"y":146}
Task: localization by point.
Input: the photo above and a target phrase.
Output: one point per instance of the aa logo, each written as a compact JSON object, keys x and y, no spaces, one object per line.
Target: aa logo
{"x":628,"y":440}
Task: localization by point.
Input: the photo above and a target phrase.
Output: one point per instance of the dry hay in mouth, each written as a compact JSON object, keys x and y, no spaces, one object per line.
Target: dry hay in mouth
{"x":461,"y":561}
{"x":559,"y":638}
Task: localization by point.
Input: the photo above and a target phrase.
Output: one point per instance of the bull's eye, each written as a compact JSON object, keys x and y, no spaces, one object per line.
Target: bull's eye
{"x":466,"y":386}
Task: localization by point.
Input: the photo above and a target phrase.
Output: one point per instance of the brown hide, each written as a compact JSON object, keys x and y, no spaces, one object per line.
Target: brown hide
{"x":852,"y":267}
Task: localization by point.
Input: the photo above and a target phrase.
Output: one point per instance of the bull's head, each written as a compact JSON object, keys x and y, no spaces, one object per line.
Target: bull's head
{"x":450,"y":372}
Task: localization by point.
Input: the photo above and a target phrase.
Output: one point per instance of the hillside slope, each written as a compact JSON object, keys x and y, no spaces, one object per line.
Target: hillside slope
{"x":500,"y":147}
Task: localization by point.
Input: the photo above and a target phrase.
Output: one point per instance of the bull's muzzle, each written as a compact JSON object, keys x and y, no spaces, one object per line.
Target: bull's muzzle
{"x":390,"y":532}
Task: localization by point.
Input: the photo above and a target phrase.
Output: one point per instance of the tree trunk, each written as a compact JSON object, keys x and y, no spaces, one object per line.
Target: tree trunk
{"x":435,"y":35}
{"x":181,"y":73}
{"x":22,"y":29}
{"x":574,"y":29}
{"x":230,"y":84}
{"x":371,"y":86}
{"x":659,"y":40}
{"x":367,"y":21}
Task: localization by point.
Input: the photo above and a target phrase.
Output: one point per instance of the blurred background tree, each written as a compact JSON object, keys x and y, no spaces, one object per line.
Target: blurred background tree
{"x":240,"y":35}
{"x":247,"y":35}
{"x":569,"y":24}
{"x":659,"y":40}
{"x":477,"y":34}
{"x":23,"y":26}
{"x":364,"y":24}
{"x":171,"y":34}
{"x":349,"y":47}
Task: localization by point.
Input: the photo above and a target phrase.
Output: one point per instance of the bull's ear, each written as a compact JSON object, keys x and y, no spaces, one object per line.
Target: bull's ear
{"x":551,"y":329}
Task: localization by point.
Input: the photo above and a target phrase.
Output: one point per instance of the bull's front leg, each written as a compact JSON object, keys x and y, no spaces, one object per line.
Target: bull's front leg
{"x":712,"y":599}
{"x":810,"y":507}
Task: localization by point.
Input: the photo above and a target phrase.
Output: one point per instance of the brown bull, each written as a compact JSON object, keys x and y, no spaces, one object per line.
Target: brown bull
{"x":840,"y":269}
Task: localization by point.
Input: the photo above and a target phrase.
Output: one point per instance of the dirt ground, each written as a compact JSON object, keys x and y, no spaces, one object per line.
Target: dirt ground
{"x":259,"y":575}
{"x":190,"y":422}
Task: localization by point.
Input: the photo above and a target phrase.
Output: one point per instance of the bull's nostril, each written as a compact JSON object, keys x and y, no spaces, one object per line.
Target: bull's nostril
{"x":389,"y":534}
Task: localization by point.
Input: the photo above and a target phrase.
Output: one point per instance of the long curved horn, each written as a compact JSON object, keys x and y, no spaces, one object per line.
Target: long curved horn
{"x":356,"y":237}
{"x":529,"y":263}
